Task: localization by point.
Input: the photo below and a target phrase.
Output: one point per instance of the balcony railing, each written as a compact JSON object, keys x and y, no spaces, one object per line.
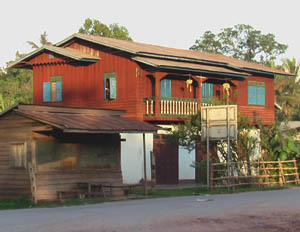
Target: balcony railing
{"x":172,"y":107}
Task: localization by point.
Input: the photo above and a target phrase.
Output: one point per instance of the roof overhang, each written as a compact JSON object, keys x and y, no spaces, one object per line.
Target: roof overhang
{"x":87,"y":121}
{"x":66,"y":52}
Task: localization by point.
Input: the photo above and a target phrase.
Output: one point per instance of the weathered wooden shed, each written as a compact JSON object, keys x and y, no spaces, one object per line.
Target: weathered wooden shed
{"x":46,"y":149}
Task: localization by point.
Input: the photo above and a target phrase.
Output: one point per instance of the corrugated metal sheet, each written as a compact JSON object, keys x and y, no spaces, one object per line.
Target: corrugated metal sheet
{"x":142,"y":48}
{"x":187,"y":65}
{"x":90,"y":123}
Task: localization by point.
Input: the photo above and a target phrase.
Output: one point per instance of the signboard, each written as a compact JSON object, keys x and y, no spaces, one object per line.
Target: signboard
{"x":217,"y":121}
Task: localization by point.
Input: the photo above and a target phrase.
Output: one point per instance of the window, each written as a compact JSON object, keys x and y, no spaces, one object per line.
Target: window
{"x":207,"y":92}
{"x":18,"y":157}
{"x":110,"y":86}
{"x":166,"y":88}
{"x":256,"y":93}
{"x":52,"y":91}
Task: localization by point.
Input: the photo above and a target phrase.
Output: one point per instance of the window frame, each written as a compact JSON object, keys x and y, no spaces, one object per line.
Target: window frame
{"x":110,"y":86}
{"x":256,"y":89}
{"x":49,"y":92}
{"x":207,"y":92}
{"x":14,"y":154}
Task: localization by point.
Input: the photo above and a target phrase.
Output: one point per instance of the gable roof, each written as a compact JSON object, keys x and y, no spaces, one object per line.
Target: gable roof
{"x":67,"y":52}
{"x":155,"y":51}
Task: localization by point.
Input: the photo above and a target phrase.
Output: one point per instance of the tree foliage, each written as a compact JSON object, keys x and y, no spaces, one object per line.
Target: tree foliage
{"x":287,"y":91}
{"x":242,"y":42}
{"x":43,"y":41}
{"x":275,"y":143}
{"x":95,"y":27}
{"x":16,"y":86}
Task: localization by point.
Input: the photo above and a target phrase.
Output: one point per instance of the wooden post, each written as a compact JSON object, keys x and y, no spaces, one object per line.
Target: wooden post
{"x":211,"y":176}
{"x":265,"y":172}
{"x":296,"y":171}
{"x":145,"y":166}
{"x":153,"y":172}
{"x":282,"y":179}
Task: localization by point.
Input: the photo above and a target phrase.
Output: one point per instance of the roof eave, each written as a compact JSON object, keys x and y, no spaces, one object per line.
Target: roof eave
{"x":266,"y":72}
{"x":107,"y":131}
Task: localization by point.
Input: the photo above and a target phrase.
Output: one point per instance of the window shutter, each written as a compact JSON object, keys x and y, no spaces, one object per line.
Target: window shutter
{"x":113,"y":87}
{"x":207,"y":91}
{"x":261,"y":95}
{"x":47,"y":91}
{"x":169,"y":88}
{"x":252,"y":95}
{"x":166,"y":88}
{"x":58,"y":93}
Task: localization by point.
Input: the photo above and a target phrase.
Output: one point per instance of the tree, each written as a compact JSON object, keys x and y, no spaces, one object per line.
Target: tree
{"x":43,"y":41}
{"x":16,"y":86}
{"x":242,"y":42}
{"x":288,"y":91}
{"x":95,"y":27}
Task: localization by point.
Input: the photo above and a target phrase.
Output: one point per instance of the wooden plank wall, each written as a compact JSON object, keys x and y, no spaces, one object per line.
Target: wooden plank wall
{"x":14,"y":182}
{"x":50,"y":180}
{"x":83,"y":84}
{"x":48,"y":183}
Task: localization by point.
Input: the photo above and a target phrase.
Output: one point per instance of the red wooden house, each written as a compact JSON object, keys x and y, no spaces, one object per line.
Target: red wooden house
{"x":151,"y":83}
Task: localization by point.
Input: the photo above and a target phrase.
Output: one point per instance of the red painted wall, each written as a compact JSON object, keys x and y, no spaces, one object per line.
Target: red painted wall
{"x":83,"y":85}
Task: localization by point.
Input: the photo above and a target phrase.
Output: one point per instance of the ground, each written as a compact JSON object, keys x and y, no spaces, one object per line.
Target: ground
{"x":253,"y":211}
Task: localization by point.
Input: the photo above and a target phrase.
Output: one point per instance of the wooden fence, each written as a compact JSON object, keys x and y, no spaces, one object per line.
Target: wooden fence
{"x":261,"y":173}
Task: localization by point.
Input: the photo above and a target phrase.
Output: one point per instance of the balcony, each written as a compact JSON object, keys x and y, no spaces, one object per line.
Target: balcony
{"x":166,"y":107}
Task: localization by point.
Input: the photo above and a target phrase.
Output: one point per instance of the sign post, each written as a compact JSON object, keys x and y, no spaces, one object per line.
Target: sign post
{"x":219,"y":123}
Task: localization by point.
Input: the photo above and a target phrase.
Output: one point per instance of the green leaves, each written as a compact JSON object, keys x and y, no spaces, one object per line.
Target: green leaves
{"x":242,"y":42}
{"x":95,"y":27}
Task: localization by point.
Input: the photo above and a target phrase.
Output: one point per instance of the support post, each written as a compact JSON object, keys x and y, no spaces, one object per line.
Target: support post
{"x":145,"y":166}
{"x":228,"y":148}
{"x":207,"y":149}
{"x":153,"y":173}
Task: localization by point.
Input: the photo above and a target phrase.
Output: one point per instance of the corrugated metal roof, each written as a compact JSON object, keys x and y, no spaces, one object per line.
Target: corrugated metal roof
{"x":163,"y":63}
{"x":174,"y":53}
{"x":90,"y":123}
{"x":67,"y":52}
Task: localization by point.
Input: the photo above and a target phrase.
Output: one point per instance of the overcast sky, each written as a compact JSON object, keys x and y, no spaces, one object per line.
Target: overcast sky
{"x":172,"y":23}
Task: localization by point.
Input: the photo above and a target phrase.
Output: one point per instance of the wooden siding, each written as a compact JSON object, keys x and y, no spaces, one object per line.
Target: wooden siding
{"x":50,"y":178}
{"x":14,"y":182}
{"x":83,"y":84}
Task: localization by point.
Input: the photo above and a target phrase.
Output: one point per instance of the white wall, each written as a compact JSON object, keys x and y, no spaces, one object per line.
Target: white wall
{"x":186,"y":172}
{"x":132,"y":157}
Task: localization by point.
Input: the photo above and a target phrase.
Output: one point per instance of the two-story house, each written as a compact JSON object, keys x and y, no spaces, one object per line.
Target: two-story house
{"x":151,"y":83}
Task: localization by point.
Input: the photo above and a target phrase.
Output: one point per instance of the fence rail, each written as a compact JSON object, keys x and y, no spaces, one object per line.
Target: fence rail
{"x":259,"y":173}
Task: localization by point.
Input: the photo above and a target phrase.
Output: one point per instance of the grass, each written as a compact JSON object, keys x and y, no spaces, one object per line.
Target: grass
{"x":23,"y":203}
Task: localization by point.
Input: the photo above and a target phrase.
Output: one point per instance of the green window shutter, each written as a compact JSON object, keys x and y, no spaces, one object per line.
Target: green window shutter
{"x":207,"y":92}
{"x":251,"y":95}
{"x":261,"y":95}
{"x":58,"y":93}
{"x":113,"y":88}
{"x":166,"y":88}
{"x":47,"y":91}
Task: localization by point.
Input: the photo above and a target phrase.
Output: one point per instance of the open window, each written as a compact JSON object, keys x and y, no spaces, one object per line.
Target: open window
{"x":52,"y":91}
{"x":110,"y":86}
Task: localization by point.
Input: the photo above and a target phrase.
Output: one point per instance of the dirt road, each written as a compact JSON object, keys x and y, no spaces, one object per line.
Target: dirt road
{"x":254,"y":211}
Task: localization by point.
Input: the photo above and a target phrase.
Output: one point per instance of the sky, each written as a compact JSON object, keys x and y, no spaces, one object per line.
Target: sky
{"x":171,"y":23}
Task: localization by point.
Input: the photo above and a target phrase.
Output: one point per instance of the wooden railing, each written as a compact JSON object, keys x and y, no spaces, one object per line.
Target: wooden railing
{"x":254,"y":173}
{"x":172,"y":107}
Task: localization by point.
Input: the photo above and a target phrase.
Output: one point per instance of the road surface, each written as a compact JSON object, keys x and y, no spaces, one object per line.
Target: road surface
{"x":253,"y":211}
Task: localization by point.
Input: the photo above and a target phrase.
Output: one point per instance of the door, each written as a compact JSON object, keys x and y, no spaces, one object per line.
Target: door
{"x":166,"y":155}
